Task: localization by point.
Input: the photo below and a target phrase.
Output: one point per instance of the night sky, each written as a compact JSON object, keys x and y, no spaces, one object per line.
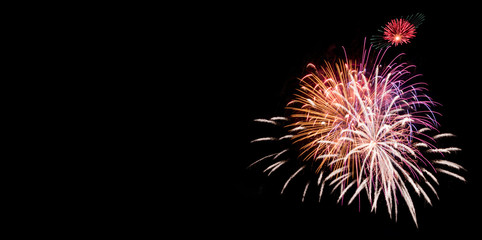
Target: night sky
{"x":257,"y":54}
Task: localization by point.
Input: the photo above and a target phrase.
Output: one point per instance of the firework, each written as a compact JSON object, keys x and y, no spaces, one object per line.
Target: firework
{"x":398,"y":31}
{"x":364,"y":127}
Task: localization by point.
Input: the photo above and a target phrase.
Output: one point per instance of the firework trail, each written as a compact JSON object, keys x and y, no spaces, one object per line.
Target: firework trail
{"x":364,"y":127}
{"x":398,"y":31}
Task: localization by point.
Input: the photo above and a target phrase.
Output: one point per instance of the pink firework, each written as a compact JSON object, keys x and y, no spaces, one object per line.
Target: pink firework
{"x":399,"y":31}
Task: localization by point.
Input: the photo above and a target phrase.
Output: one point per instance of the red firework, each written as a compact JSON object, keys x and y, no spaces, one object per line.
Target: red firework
{"x":398,"y":31}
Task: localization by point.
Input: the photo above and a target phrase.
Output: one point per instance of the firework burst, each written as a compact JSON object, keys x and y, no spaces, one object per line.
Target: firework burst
{"x":398,"y":31}
{"x":365,"y":128}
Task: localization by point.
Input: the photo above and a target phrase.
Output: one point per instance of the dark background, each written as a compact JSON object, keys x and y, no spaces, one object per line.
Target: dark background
{"x":255,"y":55}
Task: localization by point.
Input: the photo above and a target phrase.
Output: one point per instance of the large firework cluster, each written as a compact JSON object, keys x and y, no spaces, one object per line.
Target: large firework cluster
{"x":364,"y":127}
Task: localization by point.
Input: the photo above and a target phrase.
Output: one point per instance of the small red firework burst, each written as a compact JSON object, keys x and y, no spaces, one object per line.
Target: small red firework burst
{"x":398,"y":31}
